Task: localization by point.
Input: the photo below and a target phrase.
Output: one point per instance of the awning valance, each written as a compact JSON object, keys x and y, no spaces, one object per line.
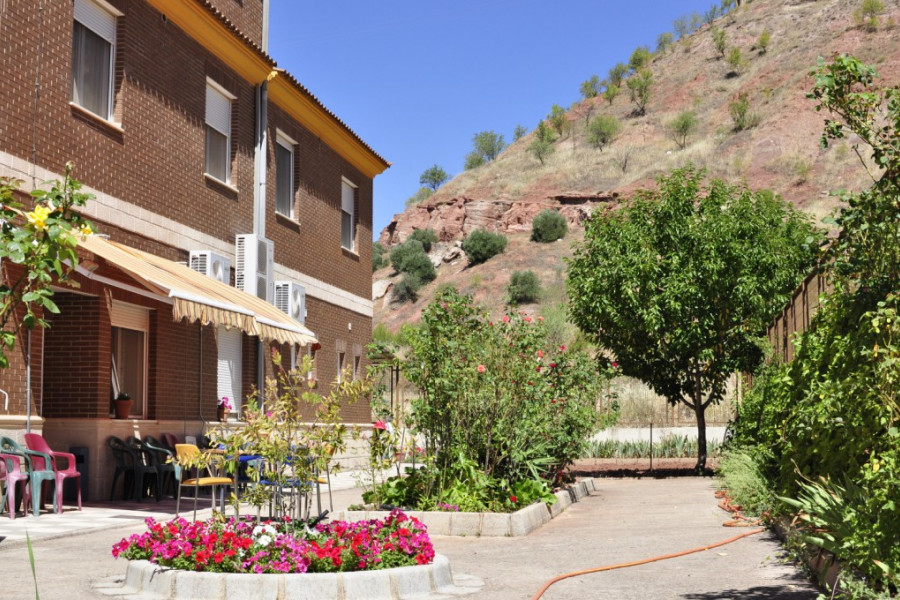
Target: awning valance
{"x":196,"y":297}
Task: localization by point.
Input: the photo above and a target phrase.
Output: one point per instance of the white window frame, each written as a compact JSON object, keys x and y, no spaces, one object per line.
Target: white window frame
{"x":218,"y":118}
{"x":94,"y":15}
{"x":287,"y":143}
{"x":348,"y":207}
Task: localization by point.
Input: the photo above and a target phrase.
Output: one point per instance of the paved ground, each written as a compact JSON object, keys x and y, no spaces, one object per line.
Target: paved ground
{"x":625,"y":520}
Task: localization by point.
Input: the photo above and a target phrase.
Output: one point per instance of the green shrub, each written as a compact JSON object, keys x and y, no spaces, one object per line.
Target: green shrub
{"x":762,"y":44}
{"x":720,"y":40}
{"x":742,"y":478}
{"x":423,"y":194}
{"x":590,"y":87}
{"x":401,"y":253}
{"x":663,"y":41}
{"x":610,"y":93}
{"x":519,"y":132}
{"x":736,"y":60}
{"x":640,"y":58}
{"x":407,"y":289}
{"x":524,"y":287}
{"x":548,"y":226}
{"x":426,"y":237}
{"x":639,"y":85}
{"x":617,"y":75}
{"x":482,"y":245}
{"x":379,"y":258}
{"x":420,"y":266}
{"x":603,"y":130}
{"x":681,"y":127}
{"x":741,"y":115}
{"x":866,"y":15}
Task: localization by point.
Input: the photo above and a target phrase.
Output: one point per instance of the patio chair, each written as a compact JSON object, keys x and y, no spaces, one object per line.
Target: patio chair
{"x":169,"y":440}
{"x":11,"y":475}
{"x":35,"y":441}
{"x":129,"y":464}
{"x":167,"y":468}
{"x":187,"y":455}
{"x":36,"y":476}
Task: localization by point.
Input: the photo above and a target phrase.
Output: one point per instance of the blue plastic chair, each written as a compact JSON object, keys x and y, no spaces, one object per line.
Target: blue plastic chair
{"x":36,"y":476}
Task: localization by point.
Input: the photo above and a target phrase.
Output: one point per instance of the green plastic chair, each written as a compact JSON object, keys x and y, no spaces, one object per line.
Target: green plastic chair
{"x":36,"y":477}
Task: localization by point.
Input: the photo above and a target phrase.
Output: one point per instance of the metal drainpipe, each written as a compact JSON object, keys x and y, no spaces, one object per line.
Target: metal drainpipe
{"x":259,"y":178}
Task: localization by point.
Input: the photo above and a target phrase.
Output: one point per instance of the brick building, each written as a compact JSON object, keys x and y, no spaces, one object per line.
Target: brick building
{"x":199,"y":150}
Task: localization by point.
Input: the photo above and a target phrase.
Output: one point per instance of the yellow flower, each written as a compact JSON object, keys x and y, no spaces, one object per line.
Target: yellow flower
{"x":86,"y":229}
{"x":38,"y":218}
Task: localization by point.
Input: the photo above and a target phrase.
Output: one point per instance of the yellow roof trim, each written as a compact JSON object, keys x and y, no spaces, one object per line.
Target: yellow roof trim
{"x":307,"y":112}
{"x":209,"y":31}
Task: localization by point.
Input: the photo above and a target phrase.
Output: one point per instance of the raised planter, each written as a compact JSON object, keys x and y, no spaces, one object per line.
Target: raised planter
{"x":150,"y":581}
{"x":522,"y":522}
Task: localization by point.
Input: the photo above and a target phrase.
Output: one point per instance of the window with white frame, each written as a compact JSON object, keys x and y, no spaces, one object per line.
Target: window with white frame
{"x":229,"y":377}
{"x":128,"y":354}
{"x":348,"y":215}
{"x":340,"y":367}
{"x":218,"y":131}
{"x":93,"y":56}
{"x":284,"y":175}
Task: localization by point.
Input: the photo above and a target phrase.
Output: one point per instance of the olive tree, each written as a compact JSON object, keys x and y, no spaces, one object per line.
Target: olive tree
{"x":680,"y":283}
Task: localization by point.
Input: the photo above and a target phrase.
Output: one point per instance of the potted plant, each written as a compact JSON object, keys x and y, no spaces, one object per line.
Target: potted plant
{"x":225,"y":406}
{"x":123,"y":405}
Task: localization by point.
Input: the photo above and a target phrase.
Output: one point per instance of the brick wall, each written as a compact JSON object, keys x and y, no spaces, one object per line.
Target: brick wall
{"x":246,"y":15}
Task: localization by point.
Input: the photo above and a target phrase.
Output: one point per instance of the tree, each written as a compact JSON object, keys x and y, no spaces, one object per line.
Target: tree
{"x":640,"y":58}
{"x":433,"y":177}
{"x":519,"y":132}
{"x":487,"y":145}
{"x":720,"y":40}
{"x":610,"y":93}
{"x":542,"y":145}
{"x":740,"y":113}
{"x":866,"y":15}
{"x":711,"y":15}
{"x":603,"y":130}
{"x":617,"y":74}
{"x":682,"y":126}
{"x":639,"y":85}
{"x":474,"y":160}
{"x":40,"y":247}
{"x":663,"y":41}
{"x":590,"y":87}
{"x":558,"y":120}
{"x":423,"y":194}
{"x":736,"y":60}
{"x":680,"y":284}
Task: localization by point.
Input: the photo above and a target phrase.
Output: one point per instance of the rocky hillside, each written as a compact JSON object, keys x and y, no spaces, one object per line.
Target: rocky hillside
{"x":781,"y":151}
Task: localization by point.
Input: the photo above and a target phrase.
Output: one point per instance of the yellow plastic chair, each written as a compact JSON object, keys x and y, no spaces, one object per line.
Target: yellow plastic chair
{"x":189,"y":456}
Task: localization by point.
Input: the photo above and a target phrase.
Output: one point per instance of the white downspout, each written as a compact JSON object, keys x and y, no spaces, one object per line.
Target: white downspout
{"x":259,"y":177}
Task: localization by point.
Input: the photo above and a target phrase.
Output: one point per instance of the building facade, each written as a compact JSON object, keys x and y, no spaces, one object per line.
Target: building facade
{"x":200,"y":153}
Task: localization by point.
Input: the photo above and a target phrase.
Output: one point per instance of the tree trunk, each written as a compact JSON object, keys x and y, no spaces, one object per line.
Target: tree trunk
{"x":700,"y":412}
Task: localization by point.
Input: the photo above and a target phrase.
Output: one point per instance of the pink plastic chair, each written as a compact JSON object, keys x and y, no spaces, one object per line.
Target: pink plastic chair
{"x":11,"y":474}
{"x":36,"y":442}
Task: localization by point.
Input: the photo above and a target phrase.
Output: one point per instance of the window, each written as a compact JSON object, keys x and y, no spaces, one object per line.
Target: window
{"x":228,"y":366}
{"x":128,"y":354}
{"x":218,"y":131}
{"x":356,"y":363}
{"x":348,"y":215}
{"x":340,"y":367}
{"x":284,"y":175}
{"x":93,"y":55}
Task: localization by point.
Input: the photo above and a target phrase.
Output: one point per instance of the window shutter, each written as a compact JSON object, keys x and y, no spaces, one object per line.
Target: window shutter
{"x":348,"y":199}
{"x":228,"y":366}
{"x":97,"y":19}
{"x":218,"y":110}
{"x":129,"y":316}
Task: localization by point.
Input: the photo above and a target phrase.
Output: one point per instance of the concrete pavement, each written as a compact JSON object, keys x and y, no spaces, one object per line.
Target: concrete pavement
{"x":624,"y":520}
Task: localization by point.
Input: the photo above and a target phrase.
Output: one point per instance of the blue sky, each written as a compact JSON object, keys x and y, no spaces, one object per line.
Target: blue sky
{"x":416,"y":79}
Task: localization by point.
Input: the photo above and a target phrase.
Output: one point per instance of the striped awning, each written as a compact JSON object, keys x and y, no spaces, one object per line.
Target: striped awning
{"x":196,"y":297}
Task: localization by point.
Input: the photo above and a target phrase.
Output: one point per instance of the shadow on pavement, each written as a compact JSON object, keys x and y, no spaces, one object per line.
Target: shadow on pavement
{"x":773,"y":592}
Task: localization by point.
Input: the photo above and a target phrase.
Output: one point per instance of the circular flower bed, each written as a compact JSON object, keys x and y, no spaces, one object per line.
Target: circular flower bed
{"x":245,"y":546}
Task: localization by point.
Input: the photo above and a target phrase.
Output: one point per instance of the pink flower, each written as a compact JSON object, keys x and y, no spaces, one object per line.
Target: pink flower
{"x":540,"y":354}
{"x":506,"y":318}
{"x":481,"y":369}
{"x":562,"y":348}
{"x":528,"y":319}
{"x":379,"y":425}
{"x":615,"y":365}
{"x":541,"y":319}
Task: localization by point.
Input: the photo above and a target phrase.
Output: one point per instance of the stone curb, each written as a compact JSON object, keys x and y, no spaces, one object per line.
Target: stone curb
{"x":147,"y":581}
{"x":522,"y":522}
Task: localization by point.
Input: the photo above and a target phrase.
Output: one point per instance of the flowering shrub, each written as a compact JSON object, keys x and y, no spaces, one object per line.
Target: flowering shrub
{"x":241,"y":546}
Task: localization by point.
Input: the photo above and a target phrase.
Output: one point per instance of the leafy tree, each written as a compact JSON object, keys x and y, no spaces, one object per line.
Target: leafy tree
{"x":603,"y":130}
{"x":557,"y":119}
{"x":682,"y":126}
{"x":426,"y":237}
{"x":720,"y":40}
{"x":423,"y":194}
{"x":590,"y":87}
{"x":519,"y":132}
{"x":866,"y":15}
{"x":736,"y":60}
{"x":402,"y":252}
{"x":617,"y":74}
{"x":433,"y":177}
{"x":640,"y":58}
{"x":663,"y":41}
{"x":488,"y":144}
{"x":610,"y":93}
{"x":474,"y":160}
{"x":640,"y":85}
{"x":420,"y":266}
{"x":548,"y":226}
{"x":524,"y":287}
{"x":765,"y":38}
{"x":542,"y":145}
{"x":480,"y":246}
{"x":680,"y":284}
{"x":682,"y":26}
{"x":39,"y":246}
{"x":740,"y":113}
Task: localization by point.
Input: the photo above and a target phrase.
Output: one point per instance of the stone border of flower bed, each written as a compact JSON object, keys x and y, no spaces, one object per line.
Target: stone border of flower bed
{"x":522,"y":522}
{"x":147,"y":580}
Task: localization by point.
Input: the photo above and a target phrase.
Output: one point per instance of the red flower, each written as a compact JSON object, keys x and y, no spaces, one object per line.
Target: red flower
{"x":540,"y":354}
{"x":562,"y":348}
{"x":506,"y":318}
{"x":615,"y":365}
{"x":481,"y":368}
{"x":379,"y":425}
{"x":528,"y":319}
{"x":513,"y":499}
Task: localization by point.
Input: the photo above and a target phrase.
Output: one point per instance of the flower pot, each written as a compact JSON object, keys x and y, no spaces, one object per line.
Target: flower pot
{"x":220,"y":413}
{"x":123,"y":409}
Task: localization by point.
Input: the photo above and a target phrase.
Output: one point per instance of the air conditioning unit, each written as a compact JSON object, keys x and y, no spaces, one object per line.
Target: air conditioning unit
{"x":211,"y":264}
{"x":290,"y":298}
{"x":254,"y":266}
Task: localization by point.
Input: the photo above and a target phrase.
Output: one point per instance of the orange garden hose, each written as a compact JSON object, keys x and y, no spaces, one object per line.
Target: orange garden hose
{"x":643,"y":561}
